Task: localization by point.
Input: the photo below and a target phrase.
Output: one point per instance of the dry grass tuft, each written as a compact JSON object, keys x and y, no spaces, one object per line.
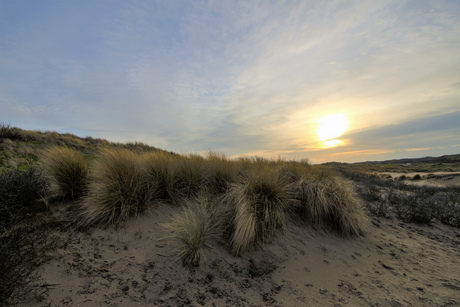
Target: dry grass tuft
{"x":118,"y":188}
{"x":189,"y":178}
{"x":69,"y":170}
{"x":220,"y":173}
{"x":192,"y":230}
{"x":176,"y":177}
{"x":160,"y":170}
{"x":330,"y":202}
{"x":260,"y":202}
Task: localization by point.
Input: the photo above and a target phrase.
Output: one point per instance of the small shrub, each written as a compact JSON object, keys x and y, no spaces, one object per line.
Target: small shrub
{"x":370,"y":193}
{"x":417,"y":177}
{"x":192,"y":230}
{"x":118,"y":188}
{"x":448,"y":210}
{"x":18,"y":190}
{"x":379,"y":208}
{"x":419,"y":207}
{"x":260,"y":202}
{"x":69,"y":170}
{"x":8,"y":132}
{"x":376,"y":198}
{"x":21,"y":252}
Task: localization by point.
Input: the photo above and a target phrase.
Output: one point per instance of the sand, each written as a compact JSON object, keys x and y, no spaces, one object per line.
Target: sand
{"x":393,"y":264}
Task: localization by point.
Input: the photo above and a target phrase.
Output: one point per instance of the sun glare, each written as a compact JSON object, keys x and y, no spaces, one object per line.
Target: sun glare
{"x":331,"y":127}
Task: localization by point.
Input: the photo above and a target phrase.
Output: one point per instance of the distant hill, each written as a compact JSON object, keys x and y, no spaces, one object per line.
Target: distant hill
{"x":426,"y":164}
{"x":442,"y":159}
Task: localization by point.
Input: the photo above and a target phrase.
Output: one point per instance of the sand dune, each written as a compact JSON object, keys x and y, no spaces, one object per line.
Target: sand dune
{"x":394,"y":264}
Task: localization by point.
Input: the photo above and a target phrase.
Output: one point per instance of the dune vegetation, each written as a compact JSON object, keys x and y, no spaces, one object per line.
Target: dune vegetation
{"x":242,"y":203}
{"x":253,"y":198}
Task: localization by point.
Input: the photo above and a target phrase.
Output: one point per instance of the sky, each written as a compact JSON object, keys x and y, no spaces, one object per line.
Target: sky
{"x":343,"y":81}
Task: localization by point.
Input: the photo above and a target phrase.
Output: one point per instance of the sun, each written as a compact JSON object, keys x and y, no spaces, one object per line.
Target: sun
{"x":331,"y":127}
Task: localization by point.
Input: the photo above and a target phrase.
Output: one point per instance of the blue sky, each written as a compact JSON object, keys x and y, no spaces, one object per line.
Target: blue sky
{"x":238,"y":77}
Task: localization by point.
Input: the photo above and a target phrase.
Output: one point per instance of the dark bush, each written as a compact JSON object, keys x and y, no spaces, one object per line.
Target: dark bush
{"x":417,"y":177}
{"x":418,"y":208}
{"x":19,"y":189}
{"x":448,"y":210}
{"x":379,"y":208}
{"x":21,"y":252}
{"x":8,"y":132}
{"x":411,"y":203}
{"x":370,"y":193}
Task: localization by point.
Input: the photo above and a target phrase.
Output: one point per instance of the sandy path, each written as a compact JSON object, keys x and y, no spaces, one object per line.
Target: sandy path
{"x":394,"y":264}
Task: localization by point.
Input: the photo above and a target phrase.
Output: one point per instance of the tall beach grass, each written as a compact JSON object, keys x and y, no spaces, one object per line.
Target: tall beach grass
{"x":69,"y":170}
{"x":118,"y":188}
{"x":329,"y":201}
{"x":258,"y":206}
{"x":192,"y":230}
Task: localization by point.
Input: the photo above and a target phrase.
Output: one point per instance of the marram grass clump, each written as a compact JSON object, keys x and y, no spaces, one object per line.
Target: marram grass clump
{"x":69,"y":170}
{"x":220,"y":173}
{"x":118,"y":188}
{"x":192,"y":230}
{"x":329,"y":202}
{"x":160,"y":170}
{"x":175,"y":177}
{"x":189,"y":176}
{"x":259,"y":204}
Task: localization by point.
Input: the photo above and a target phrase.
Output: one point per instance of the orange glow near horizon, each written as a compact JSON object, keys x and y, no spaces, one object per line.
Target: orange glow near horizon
{"x":330,"y":128}
{"x":332,"y":143}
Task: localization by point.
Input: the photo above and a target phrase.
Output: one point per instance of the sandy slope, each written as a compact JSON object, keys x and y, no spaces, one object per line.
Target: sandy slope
{"x":394,"y":264}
